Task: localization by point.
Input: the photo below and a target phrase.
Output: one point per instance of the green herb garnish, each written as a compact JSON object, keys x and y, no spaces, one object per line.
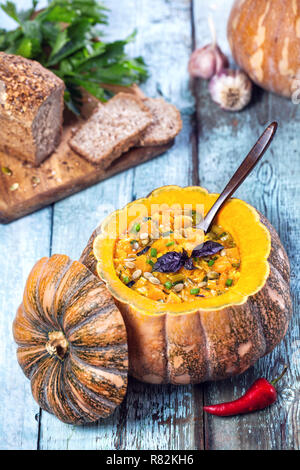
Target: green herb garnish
{"x":64,"y":37}
{"x":153,"y":252}
{"x":170,"y":243}
{"x":126,"y":279}
{"x":229,"y":282}
{"x":149,"y":261}
{"x":195,"y":291}
{"x":224,"y":234}
{"x":168,"y":285}
{"x":235,"y":265}
{"x":136,"y":228}
{"x":211,"y":262}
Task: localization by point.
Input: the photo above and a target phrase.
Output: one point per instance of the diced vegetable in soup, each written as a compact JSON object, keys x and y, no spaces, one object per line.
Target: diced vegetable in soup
{"x":176,"y":262}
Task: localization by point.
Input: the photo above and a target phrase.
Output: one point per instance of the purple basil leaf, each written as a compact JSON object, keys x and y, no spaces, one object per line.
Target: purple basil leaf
{"x":170,"y":262}
{"x":189,"y":264}
{"x":206,"y":249}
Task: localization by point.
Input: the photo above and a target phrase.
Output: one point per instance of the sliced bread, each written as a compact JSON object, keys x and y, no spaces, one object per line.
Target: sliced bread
{"x":112,"y":129}
{"x":166,"y":123}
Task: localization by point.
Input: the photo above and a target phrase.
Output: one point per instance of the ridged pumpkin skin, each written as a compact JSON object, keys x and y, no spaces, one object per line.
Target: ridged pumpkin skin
{"x":197,"y":342}
{"x":72,"y":341}
{"x":264,"y":37}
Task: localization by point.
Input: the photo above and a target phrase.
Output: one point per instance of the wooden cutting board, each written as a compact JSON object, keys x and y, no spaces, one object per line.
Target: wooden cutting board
{"x":24,"y":189}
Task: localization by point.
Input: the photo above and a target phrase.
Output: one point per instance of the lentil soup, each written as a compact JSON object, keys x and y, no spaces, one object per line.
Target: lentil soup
{"x":175,"y":262}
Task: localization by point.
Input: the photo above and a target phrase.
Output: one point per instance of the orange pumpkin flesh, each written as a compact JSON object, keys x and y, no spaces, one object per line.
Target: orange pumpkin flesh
{"x":72,"y":341}
{"x":208,"y":339}
{"x":264,"y":37}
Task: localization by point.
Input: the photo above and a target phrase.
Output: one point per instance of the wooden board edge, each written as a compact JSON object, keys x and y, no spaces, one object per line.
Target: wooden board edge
{"x":131,"y":159}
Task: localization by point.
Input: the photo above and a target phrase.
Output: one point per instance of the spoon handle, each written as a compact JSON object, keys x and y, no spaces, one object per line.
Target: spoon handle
{"x":241,"y":174}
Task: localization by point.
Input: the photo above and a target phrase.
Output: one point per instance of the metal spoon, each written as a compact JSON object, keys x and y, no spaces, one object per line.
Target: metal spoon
{"x":240,"y":175}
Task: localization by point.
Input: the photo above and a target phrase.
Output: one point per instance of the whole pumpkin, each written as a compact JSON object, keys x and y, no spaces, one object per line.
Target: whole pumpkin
{"x":72,"y":341}
{"x":212,"y":338}
{"x":264,"y":37}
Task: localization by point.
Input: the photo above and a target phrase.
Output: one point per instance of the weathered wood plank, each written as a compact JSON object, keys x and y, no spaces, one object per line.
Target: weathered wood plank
{"x":151,"y":416}
{"x":22,"y":243}
{"x":273,"y":188}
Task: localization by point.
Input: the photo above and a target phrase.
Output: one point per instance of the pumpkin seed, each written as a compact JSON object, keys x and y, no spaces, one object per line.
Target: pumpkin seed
{"x":147,"y":275}
{"x":145,"y":242}
{"x":202,"y":284}
{"x":212,"y":275}
{"x":136,"y":274}
{"x":6,"y":171}
{"x":14,"y":187}
{"x":144,"y":236}
{"x":130,"y":265}
{"x":35,"y":180}
{"x":223,"y":253}
{"x":154,"y":280}
{"x":178,"y":287}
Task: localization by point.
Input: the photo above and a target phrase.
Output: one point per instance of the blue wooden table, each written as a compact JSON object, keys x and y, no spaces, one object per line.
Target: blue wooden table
{"x":207,"y":152}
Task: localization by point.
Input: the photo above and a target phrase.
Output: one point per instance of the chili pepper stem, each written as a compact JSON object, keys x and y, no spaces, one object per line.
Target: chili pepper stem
{"x":280,"y":376}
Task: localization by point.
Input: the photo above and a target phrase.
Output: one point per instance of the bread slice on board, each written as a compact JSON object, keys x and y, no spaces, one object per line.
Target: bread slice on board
{"x":166,"y":123}
{"x":31,"y":109}
{"x":112,"y":129}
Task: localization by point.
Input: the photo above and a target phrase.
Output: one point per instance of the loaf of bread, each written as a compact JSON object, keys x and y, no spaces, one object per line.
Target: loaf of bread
{"x":31,"y":109}
{"x":112,"y":129}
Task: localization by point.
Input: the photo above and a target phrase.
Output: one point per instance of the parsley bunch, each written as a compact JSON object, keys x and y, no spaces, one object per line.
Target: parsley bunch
{"x":64,"y":37}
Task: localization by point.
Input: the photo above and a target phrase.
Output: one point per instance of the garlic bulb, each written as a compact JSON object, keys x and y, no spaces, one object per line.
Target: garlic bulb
{"x":207,"y":61}
{"x":231,"y":89}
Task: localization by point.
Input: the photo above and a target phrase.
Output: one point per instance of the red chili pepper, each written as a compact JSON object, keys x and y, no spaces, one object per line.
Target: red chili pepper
{"x":260,"y":395}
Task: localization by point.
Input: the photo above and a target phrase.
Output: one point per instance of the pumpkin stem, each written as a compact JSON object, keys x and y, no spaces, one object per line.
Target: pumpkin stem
{"x":57,"y":344}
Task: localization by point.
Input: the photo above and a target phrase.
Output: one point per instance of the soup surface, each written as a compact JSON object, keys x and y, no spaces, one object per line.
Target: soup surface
{"x":166,"y":258}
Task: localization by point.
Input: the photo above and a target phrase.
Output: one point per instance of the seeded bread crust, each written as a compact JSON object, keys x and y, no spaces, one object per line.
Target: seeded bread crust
{"x":166,"y":124}
{"x":30,"y":96}
{"x":112,"y":129}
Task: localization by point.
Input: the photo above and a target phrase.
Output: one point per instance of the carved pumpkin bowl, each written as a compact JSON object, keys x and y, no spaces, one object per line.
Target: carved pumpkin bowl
{"x":77,"y":319}
{"x":210,"y":338}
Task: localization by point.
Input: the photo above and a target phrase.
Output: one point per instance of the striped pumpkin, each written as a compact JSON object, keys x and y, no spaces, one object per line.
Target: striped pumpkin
{"x":71,"y":341}
{"x":264,"y":37}
{"x":213,"y":338}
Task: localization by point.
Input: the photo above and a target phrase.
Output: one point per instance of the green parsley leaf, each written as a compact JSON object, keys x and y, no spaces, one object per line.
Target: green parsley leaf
{"x":64,"y":37}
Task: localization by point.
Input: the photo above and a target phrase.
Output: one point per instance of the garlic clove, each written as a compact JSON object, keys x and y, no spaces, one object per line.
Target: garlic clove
{"x":231,"y":89}
{"x":207,"y":61}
